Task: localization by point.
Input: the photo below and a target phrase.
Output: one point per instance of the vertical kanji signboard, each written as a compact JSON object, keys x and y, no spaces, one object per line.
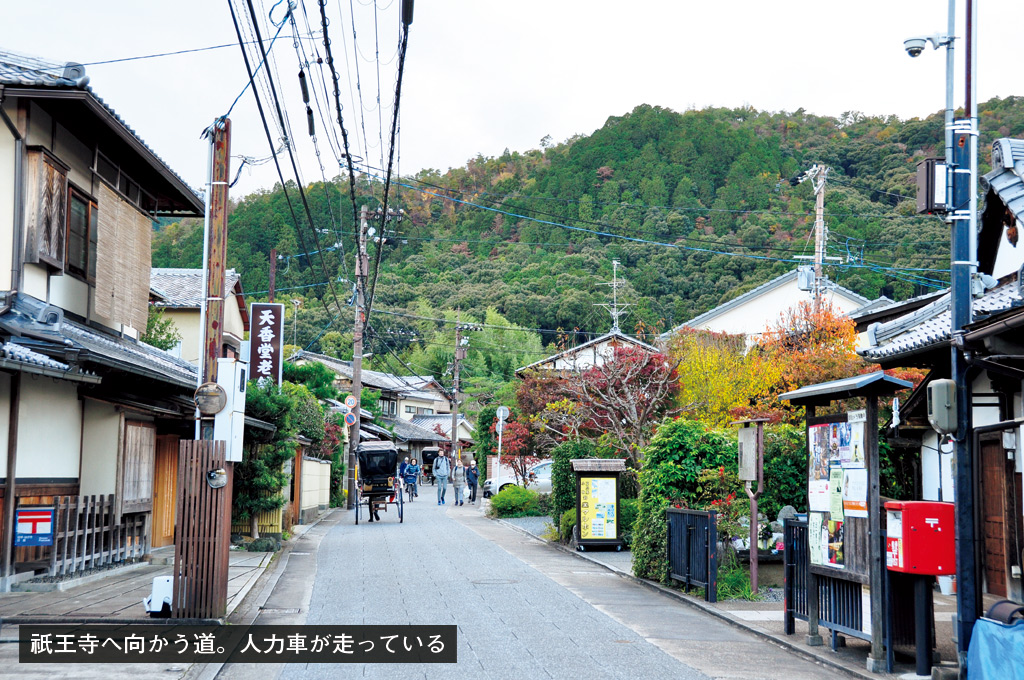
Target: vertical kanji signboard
{"x":266,"y":341}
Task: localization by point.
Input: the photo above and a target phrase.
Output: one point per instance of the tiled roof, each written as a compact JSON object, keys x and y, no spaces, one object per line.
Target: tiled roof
{"x":931,"y":325}
{"x":596,"y":341}
{"x":96,"y":346}
{"x":778,"y":281}
{"x":24,"y":355}
{"x":183,"y":288}
{"x":410,"y":386}
{"x":443,"y":419}
{"x":17,"y":70}
{"x":407,"y":431}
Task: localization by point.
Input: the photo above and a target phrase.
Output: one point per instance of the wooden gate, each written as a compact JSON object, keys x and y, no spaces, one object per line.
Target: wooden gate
{"x":203,"y":534}
{"x":993,"y":508}
{"x":165,"y":490}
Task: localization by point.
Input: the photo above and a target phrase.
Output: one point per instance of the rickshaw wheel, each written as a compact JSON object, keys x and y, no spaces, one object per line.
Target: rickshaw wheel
{"x":400,"y":504}
{"x":357,"y":509}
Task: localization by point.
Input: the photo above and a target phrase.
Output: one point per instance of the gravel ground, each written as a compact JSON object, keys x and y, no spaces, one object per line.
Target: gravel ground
{"x":533,"y":525}
{"x":80,"y":574}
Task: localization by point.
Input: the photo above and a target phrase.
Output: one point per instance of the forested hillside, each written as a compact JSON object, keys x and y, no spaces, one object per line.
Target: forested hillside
{"x":697,"y":207}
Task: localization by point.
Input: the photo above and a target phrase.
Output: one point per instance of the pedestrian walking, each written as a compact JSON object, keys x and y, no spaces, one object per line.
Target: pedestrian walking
{"x":442,"y":468}
{"x":412,"y":475}
{"x":472,"y":477}
{"x":459,"y":481}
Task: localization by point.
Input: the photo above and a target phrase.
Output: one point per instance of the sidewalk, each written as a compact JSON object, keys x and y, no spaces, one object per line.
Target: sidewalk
{"x":764,"y":618}
{"x":117,"y":595}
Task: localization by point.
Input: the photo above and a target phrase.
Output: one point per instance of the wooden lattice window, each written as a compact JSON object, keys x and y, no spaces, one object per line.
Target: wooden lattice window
{"x":138,"y":467}
{"x":83,"y":223}
{"x":46,"y":201}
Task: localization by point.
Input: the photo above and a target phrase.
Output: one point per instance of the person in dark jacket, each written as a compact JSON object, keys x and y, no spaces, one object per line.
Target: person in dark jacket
{"x":412,"y":477}
{"x":442,"y":468}
{"x":472,"y":477}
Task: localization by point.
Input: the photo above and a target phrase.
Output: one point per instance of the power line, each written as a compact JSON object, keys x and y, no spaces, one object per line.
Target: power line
{"x":291,"y":156}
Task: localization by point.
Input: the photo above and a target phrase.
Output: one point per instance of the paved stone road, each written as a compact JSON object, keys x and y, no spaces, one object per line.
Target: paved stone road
{"x":522,"y":609}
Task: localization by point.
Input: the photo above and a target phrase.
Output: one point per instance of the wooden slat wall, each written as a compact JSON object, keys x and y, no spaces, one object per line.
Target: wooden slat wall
{"x":200,"y":576}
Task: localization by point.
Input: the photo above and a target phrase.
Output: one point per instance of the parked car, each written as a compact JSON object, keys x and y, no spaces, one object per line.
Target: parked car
{"x":540,"y":480}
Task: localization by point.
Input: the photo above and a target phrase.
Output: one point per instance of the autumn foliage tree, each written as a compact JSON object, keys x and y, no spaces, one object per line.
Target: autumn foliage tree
{"x":626,"y":397}
{"x":718,"y":375}
{"x":810,"y":343}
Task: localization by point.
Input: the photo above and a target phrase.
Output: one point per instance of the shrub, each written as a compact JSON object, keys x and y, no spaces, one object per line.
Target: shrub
{"x":567,"y":520}
{"x":544,"y":504}
{"x":264,"y":544}
{"x":785,"y":470}
{"x":515,"y":501}
{"x":673,"y":462}
{"x":627,"y":517}
{"x":563,"y":479}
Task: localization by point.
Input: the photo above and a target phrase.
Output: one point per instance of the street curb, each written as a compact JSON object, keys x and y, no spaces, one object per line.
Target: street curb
{"x":679,"y":597}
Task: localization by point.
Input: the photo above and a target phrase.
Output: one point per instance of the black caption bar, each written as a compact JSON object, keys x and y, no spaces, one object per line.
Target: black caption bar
{"x":236,"y":644}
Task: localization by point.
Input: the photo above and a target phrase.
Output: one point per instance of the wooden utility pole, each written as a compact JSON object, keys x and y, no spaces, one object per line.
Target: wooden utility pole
{"x":216,"y":252}
{"x":362,"y":265}
{"x":273,"y":272}
{"x":460,"y":354}
{"x":820,"y":233}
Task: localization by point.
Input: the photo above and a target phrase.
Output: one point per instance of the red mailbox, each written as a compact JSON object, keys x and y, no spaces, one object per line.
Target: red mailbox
{"x":920,"y":537}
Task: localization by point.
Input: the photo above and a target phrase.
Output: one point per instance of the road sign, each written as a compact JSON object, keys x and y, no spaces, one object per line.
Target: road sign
{"x":499,"y":426}
{"x":502,"y":413}
{"x":350,"y":418}
{"x":350,"y":401}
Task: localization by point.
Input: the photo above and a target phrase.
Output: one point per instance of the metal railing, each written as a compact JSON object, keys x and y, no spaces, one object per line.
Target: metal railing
{"x":693,"y":550}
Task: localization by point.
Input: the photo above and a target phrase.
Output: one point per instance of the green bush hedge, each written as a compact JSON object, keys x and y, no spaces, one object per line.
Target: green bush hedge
{"x":565,"y":524}
{"x":563,"y":479}
{"x":515,"y":501}
{"x":672,"y":463}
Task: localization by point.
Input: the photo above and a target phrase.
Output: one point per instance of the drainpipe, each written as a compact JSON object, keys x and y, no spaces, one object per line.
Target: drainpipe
{"x":19,"y":199}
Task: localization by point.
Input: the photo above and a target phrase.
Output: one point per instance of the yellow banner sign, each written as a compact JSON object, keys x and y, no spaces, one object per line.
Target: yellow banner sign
{"x":598,"y":508}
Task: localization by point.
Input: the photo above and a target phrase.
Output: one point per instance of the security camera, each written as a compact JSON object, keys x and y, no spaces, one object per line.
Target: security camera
{"x":915,"y":46}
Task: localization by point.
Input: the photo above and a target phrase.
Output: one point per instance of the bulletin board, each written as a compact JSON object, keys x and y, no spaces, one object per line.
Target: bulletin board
{"x":837,"y":494}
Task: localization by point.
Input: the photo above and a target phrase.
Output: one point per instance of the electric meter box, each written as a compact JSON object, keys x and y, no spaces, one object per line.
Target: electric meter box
{"x":920,"y":538}
{"x":942,"y":405}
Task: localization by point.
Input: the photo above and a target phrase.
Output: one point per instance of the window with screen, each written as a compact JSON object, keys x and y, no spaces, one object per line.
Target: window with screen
{"x":83,"y":217}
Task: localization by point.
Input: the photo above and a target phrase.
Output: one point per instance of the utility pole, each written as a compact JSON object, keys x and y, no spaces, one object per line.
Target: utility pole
{"x":963,"y":267}
{"x":362,"y":265}
{"x":461,"y":347}
{"x":296,"y":303}
{"x":273,"y":272}
{"x":818,"y":174}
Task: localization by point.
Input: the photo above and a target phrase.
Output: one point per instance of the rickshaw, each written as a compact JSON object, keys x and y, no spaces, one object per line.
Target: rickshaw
{"x":429,"y":455}
{"x":377,"y":482}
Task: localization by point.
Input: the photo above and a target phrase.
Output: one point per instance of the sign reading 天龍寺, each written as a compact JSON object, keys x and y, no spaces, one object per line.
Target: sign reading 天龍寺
{"x":266,"y":341}
{"x":598,"y":508}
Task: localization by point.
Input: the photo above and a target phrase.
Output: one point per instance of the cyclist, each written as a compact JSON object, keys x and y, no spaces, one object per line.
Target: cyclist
{"x":412,"y":475}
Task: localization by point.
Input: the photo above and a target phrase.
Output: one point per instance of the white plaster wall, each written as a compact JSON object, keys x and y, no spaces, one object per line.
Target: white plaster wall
{"x":34,"y":281}
{"x":77,"y":155}
{"x":101,"y":431}
{"x":7,"y":168}
{"x":5,"y":415}
{"x":932,"y":462}
{"x":187,"y":323}
{"x":70,"y":294}
{"x":49,"y":428}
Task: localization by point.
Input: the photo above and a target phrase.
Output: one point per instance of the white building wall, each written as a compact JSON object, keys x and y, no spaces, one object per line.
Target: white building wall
{"x":7,"y":161}
{"x":759,"y":314}
{"x":49,"y":429}
{"x":5,"y":416}
{"x":100,"y":434}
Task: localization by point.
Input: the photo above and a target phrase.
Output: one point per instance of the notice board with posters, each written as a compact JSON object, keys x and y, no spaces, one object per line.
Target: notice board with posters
{"x":837,"y":518}
{"x":597,"y":502}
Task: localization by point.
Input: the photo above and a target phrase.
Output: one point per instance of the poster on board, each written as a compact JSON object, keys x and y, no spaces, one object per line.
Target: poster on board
{"x":855,"y":492}
{"x":819,"y":446}
{"x":598,"y":508}
{"x":835,"y":493}
{"x":857,"y":421}
{"x":834,"y":545}
{"x":814,"y":524}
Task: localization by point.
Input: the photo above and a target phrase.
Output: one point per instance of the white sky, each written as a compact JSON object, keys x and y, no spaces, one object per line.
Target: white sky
{"x":482,"y":76}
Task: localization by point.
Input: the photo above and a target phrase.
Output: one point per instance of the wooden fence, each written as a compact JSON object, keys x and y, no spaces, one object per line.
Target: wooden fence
{"x":88,"y":533}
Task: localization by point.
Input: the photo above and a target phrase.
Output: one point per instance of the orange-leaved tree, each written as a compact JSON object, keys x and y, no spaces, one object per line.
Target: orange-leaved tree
{"x":810,"y":343}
